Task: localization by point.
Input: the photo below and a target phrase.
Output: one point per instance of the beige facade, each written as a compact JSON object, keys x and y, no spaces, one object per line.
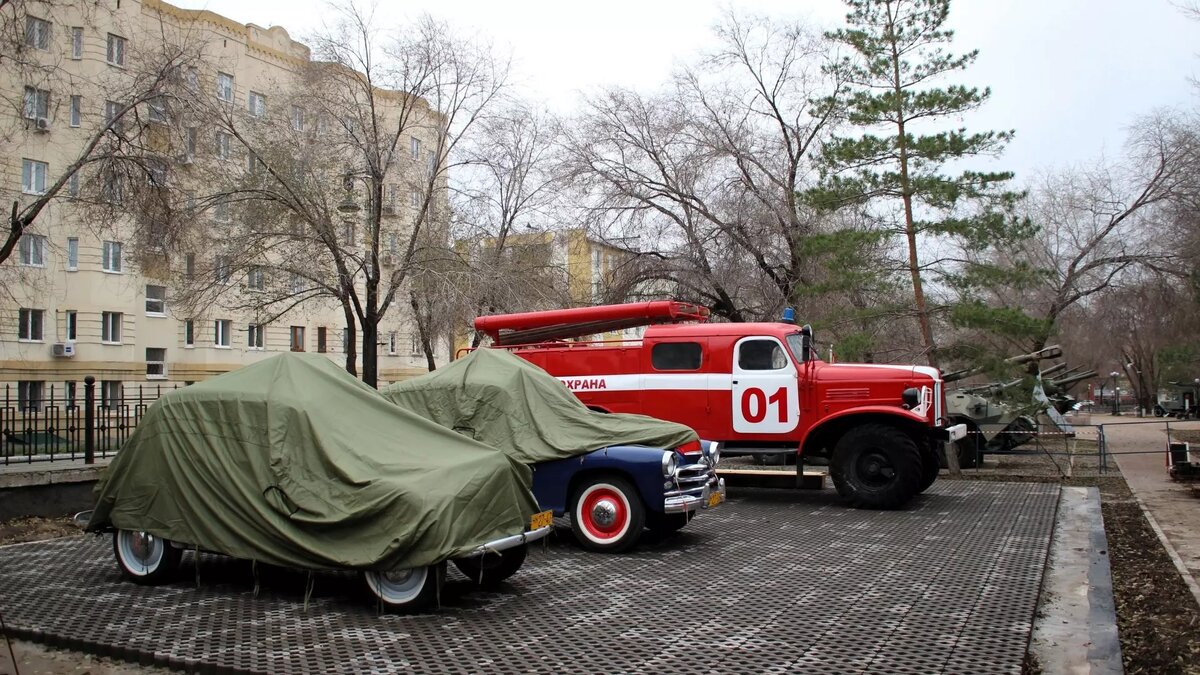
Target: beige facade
{"x":74,"y":300}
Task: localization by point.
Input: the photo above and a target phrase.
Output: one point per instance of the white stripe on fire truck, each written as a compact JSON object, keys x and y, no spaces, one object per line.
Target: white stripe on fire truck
{"x":649,"y":381}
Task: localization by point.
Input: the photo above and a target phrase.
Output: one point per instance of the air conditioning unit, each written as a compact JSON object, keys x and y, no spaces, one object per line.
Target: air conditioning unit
{"x":64,"y":349}
{"x":42,"y":124}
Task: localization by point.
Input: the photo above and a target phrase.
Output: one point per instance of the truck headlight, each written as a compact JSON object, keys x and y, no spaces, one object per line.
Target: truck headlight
{"x":670,"y":462}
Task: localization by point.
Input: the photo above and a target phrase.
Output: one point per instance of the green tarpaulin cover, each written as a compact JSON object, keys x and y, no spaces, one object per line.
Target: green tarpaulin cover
{"x":511,"y":404}
{"x":293,"y":461}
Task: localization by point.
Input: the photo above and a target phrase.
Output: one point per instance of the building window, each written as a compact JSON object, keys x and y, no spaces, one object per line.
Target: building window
{"x":297,"y":338}
{"x":189,"y":153}
{"x":225,"y":87}
{"x":415,"y":147}
{"x":221,"y":330}
{"x":113,"y":191}
{"x":32,"y":250}
{"x":431,"y":161}
{"x":297,"y":118}
{"x":223,"y":145}
{"x":69,"y":394}
{"x":414,"y":199}
{"x":257,"y":104}
{"x":76,"y":110}
{"x":156,"y":363}
{"x":392,"y":343}
{"x":256,"y":279}
{"x":321,"y":339}
{"x":110,"y":394}
{"x":73,"y":185}
{"x":72,"y":324}
{"x":37,"y":33}
{"x":37,"y":103}
{"x":111,"y":259}
{"x":77,"y":43}
{"x":156,"y":300}
{"x":348,"y":233}
{"x":30,"y":328}
{"x":189,"y":333}
{"x":157,"y":109}
{"x":72,"y":254}
{"x":221,"y":212}
{"x":33,"y":177}
{"x":254,"y":165}
{"x":254,"y":336}
{"x":221,"y":269}
{"x":29,"y":395}
{"x":414,"y":346}
{"x":116,"y":50}
{"x":110,"y":327}
{"x":189,"y":266}
{"x":156,"y":171}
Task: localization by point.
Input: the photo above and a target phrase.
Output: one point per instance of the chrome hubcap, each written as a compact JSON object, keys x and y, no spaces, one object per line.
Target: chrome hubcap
{"x":604,"y":513}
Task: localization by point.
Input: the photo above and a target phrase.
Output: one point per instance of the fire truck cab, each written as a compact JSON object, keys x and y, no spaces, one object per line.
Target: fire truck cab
{"x":755,"y":388}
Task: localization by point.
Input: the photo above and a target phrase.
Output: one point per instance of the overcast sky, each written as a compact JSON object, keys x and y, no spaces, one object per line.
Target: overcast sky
{"x":1069,"y":76}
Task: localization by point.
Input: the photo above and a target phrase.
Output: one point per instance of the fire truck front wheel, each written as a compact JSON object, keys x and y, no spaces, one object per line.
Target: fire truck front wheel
{"x":876,"y":466}
{"x":607,"y":514}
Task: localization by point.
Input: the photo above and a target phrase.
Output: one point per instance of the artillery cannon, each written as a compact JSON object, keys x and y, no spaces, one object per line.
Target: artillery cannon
{"x":992,"y":424}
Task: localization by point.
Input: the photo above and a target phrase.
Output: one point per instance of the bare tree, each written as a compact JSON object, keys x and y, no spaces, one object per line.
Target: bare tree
{"x":346,"y":172}
{"x":708,"y":173}
{"x":123,"y":141}
{"x":1096,"y":227}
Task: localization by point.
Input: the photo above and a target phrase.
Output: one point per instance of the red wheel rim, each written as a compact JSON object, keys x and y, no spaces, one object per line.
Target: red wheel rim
{"x":603,"y":495}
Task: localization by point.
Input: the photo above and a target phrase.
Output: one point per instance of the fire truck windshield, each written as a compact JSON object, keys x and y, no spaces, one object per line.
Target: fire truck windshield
{"x":796,"y":344}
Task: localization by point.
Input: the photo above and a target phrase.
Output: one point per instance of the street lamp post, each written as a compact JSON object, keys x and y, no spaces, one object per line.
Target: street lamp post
{"x":1115,"y":397}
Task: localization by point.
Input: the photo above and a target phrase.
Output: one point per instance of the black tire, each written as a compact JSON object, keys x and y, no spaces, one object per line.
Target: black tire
{"x":490,"y":569}
{"x":876,"y":466}
{"x":144,"y":558}
{"x":406,"y":595}
{"x":607,"y":496}
{"x":667,"y":523}
{"x":968,"y":454}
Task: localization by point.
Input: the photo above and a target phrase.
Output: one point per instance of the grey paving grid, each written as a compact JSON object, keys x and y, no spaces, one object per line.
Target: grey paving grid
{"x":774,"y":581}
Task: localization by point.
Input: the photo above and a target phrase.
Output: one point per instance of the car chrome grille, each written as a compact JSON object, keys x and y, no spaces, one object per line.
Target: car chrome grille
{"x":691,"y":479}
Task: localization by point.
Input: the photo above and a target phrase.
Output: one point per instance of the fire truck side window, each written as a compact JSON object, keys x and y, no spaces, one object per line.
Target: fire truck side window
{"x":761,"y":355}
{"x":675,"y":356}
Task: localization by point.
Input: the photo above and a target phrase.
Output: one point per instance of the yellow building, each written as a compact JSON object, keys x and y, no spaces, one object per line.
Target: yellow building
{"x":74,"y":301}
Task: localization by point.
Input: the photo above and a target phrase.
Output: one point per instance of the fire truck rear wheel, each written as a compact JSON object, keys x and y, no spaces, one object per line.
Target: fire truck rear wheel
{"x":876,"y":466}
{"x":607,"y":514}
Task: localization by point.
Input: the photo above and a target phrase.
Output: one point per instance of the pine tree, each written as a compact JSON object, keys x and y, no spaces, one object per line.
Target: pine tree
{"x":898,"y":50}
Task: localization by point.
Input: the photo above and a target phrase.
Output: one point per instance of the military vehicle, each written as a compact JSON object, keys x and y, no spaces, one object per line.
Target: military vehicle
{"x":993,"y":423}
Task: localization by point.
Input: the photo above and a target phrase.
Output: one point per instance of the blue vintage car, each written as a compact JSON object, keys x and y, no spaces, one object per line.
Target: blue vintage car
{"x":611,"y":494}
{"x":646,"y":472}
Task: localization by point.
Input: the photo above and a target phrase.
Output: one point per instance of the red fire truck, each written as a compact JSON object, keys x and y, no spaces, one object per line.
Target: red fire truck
{"x":755,"y":388}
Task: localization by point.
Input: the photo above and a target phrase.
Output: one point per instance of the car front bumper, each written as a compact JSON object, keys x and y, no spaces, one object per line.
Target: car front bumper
{"x":692,"y":500}
{"x":506,"y":543}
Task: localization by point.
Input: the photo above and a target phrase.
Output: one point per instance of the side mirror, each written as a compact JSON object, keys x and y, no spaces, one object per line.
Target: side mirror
{"x":806,"y":343}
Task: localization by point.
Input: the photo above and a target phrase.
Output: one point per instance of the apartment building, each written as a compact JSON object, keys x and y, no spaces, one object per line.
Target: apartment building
{"x":74,"y":298}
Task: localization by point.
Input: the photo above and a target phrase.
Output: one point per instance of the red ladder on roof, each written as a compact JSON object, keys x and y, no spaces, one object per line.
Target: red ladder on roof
{"x":563,"y":324}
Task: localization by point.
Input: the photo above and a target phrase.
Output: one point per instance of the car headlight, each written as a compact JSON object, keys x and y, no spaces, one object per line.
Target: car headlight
{"x":670,"y":462}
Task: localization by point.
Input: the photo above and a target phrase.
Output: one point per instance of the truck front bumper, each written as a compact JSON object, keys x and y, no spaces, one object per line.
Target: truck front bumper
{"x":950,"y":434}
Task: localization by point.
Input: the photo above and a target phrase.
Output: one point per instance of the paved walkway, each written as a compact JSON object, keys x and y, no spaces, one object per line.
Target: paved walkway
{"x":1171,"y":504}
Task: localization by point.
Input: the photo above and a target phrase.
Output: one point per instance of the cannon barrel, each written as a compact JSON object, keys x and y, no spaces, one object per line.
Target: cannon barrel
{"x":1051,"y":352}
{"x":1064,"y":383}
{"x":1054,"y":369}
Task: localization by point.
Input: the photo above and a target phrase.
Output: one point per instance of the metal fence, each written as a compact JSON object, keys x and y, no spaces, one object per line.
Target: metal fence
{"x":55,"y":424}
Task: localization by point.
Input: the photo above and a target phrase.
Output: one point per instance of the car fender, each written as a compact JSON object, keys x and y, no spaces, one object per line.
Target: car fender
{"x":642,"y":465}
